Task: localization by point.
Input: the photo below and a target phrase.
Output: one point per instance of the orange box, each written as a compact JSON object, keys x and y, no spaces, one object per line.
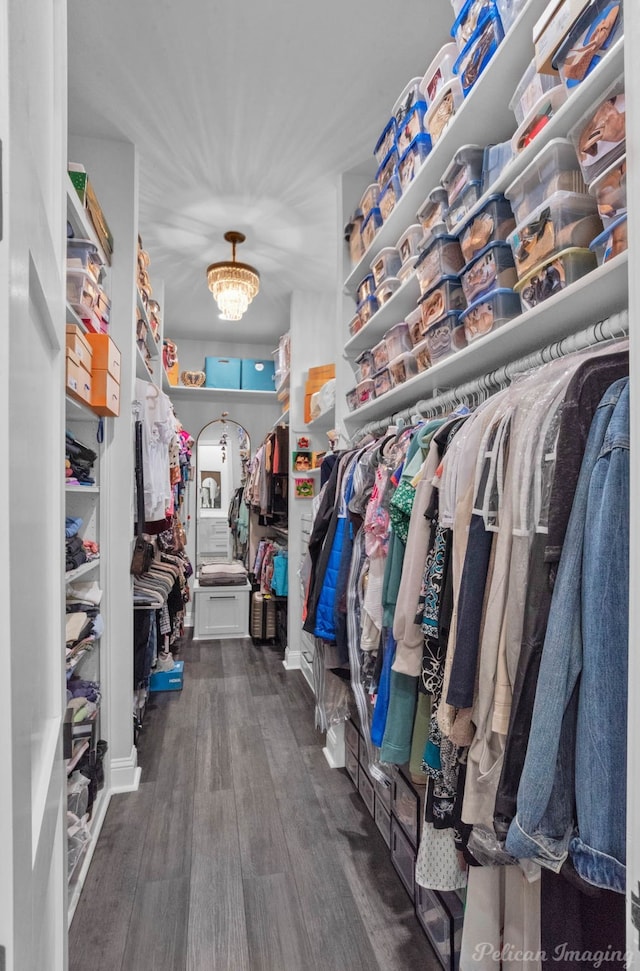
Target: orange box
{"x":105,"y":393}
{"x":77,"y":341}
{"x":324,"y":371}
{"x":173,"y":374}
{"x":106,"y":356}
{"x":78,"y":382}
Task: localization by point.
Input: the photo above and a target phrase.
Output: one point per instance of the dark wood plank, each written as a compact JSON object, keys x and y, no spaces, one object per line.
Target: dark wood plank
{"x":213,"y":752}
{"x":167,"y":854}
{"x":207,"y":658}
{"x":258,"y":669}
{"x":233,"y":657}
{"x":278,"y":939}
{"x":217,"y":932}
{"x":102,"y":916}
{"x":158,"y":930}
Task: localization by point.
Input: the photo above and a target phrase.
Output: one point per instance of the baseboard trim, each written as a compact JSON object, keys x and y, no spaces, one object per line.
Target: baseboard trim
{"x":334,"y":749}
{"x":292,"y":660}
{"x":125,"y":773}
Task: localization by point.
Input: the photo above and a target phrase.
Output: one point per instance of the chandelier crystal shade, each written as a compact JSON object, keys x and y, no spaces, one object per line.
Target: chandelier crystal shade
{"x":233,"y":285}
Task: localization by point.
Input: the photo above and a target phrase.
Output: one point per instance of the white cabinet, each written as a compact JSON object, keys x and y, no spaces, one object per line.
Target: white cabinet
{"x":213,"y":537}
{"x":221,"y":612}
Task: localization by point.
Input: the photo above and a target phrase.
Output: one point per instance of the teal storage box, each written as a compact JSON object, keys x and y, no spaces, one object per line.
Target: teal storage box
{"x":168,"y":680}
{"x":258,"y":375}
{"x":222,"y":372}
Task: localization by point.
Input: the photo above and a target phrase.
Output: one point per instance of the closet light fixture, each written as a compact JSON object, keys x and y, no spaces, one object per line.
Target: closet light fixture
{"x":233,"y":284}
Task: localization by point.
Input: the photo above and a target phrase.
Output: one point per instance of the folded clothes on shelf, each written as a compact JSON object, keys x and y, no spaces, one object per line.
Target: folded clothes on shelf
{"x":223,"y":575}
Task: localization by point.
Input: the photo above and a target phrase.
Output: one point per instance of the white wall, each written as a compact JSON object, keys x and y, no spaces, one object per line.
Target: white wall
{"x":191,"y":354}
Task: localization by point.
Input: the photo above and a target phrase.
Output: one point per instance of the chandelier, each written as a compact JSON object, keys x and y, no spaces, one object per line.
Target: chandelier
{"x":233,"y":285}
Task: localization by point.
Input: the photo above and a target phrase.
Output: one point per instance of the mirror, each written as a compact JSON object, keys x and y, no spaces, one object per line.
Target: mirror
{"x":223,"y":451}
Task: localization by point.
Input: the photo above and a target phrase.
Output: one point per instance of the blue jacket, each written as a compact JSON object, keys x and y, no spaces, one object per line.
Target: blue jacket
{"x":325,"y":612}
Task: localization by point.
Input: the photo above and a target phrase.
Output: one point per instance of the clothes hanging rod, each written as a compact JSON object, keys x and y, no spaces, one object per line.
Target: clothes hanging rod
{"x":612,"y":328}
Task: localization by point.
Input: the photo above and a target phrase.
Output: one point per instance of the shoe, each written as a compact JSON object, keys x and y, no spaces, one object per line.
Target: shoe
{"x":165,"y":662}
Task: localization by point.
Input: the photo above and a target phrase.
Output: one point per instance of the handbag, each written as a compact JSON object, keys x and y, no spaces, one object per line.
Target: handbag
{"x":143,"y":551}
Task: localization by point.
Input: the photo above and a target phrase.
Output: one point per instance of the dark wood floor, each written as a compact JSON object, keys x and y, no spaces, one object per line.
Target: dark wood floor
{"x":242,"y":850}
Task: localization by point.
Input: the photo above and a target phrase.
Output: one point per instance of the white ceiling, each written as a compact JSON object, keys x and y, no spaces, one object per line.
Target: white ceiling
{"x":244,"y":115}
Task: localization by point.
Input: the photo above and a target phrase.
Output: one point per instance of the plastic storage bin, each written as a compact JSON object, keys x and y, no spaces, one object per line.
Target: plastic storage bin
{"x":495,"y":160}
{"x":172,"y":680}
{"x":407,"y":99}
{"x":414,"y":325}
{"x":554,"y":169}
{"x":386,"y":263}
{"x":472,"y":15}
{"x":443,"y":109}
{"x":403,"y":367}
{"x":222,"y":372}
{"x":441,"y":915}
{"x":610,"y":192}
{"x":370,"y":199}
{"x":531,"y":87}
{"x":387,"y":289}
{"x":89,"y":318}
{"x":382,"y":381}
{"x":365,"y":391}
{"x":412,"y":125}
{"x":611,"y":242}
{"x":386,"y":141}
{"x":564,"y":220}
{"x":439,"y":72}
{"x":590,"y":38}
{"x":409,"y":243}
{"x":257,"y":375}
{"x":380,"y":355}
{"x":600,"y":135}
{"x":458,"y":212}
{"x":364,"y":366}
{"x":355,"y":324}
{"x":352,"y":399}
{"x":422,"y":355}
{"x":554,"y":275}
{"x":389,"y":196}
{"x":479,"y":51}
{"x":442,"y":257}
{"x":366,"y":288}
{"x":439,"y":337}
{"x":370,"y":227}
{"x":82,"y":288}
{"x":509,"y":11}
{"x":397,"y":340}
{"x":489,"y":312}
{"x":465,"y":167}
{"x":491,"y":223}
{"x":387,"y":167}
{"x":407,"y":269}
{"x":413,"y":158}
{"x":353,"y":236}
{"x":367,"y":308}
{"x":82,"y":254}
{"x":538,"y":118}
{"x":493,"y":268}
{"x":431,"y":214}
{"x":446,"y":296}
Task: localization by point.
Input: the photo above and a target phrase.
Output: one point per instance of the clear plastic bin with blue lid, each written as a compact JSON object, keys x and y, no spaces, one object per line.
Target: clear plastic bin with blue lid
{"x":408,"y":244}
{"x":444,"y":297}
{"x":413,"y":158}
{"x":493,"y":222}
{"x":591,"y":37}
{"x":600,"y":134}
{"x":370,"y":227}
{"x":431,"y":213}
{"x":387,"y":167}
{"x":554,"y":275}
{"x":612,"y":242}
{"x":458,"y":212}
{"x":369,"y":199}
{"x":389,"y":286}
{"x":412,"y":125}
{"x":442,"y":257}
{"x":472,"y":16}
{"x":367,"y":308}
{"x":440,"y":337}
{"x":464,"y":167}
{"x":610,"y":191}
{"x":82,"y":254}
{"x":555,"y":168}
{"x":563,"y":220}
{"x":488,"y":312}
{"x":439,"y":72}
{"x":386,"y":141}
{"x":479,"y":51}
{"x":492,"y":269}
{"x":389,"y":196}
{"x":364,"y":366}
{"x":495,"y":160}
{"x":397,"y":340}
{"x":409,"y":96}
{"x":402,"y":368}
{"x":365,"y":288}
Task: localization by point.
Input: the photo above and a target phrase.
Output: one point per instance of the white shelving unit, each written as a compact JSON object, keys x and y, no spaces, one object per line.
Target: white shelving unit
{"x":323,"y":422}
{"x":204,"y":394}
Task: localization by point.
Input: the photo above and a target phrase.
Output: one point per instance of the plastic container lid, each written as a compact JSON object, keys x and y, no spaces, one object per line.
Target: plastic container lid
{"x":602,"y":239}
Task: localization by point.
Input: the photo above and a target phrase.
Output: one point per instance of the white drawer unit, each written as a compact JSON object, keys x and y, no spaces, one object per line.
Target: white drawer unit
{"x":221,"y":612}
{"x":213,"y":537}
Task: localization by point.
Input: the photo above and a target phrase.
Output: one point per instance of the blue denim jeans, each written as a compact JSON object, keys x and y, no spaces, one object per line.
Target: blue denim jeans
{"x":572,"y":793}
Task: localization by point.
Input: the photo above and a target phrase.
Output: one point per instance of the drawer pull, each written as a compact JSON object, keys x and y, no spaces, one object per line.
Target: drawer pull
{"x":230,"y":597}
